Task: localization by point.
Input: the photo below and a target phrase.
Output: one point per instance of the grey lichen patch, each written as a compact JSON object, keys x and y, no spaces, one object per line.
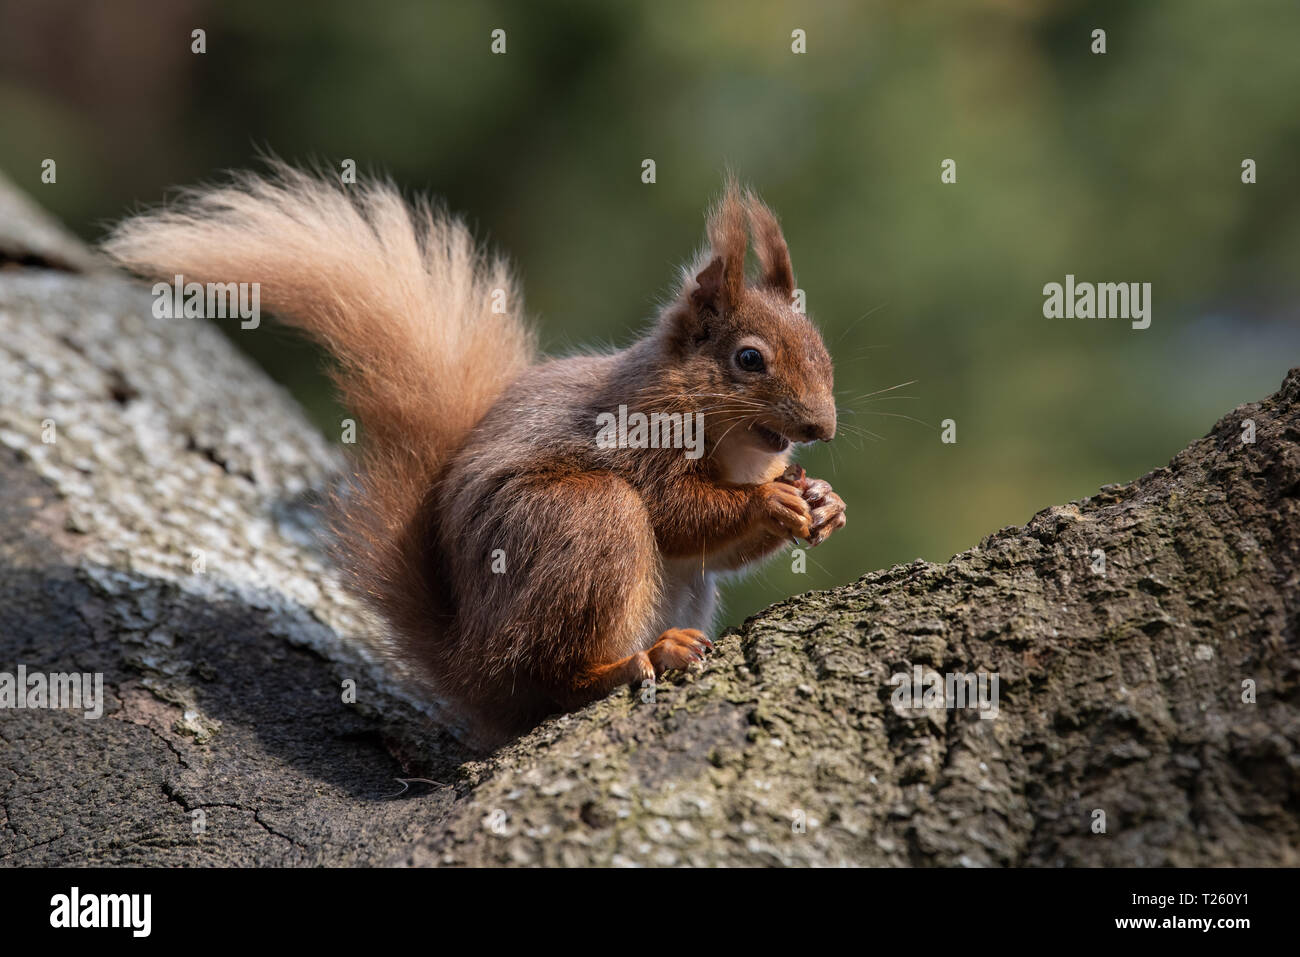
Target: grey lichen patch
{"x":197,"y":725}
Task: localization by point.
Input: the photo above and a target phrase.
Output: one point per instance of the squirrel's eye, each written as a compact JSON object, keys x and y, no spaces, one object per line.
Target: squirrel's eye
{"x":750,"y":360}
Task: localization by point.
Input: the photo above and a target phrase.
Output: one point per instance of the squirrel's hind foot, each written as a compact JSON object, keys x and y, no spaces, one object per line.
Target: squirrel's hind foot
{"x":677,"y":648}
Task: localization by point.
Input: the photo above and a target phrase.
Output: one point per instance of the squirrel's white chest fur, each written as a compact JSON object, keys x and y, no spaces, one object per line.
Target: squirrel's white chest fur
{"x":742,"y":463}
{"x":689,"y":593}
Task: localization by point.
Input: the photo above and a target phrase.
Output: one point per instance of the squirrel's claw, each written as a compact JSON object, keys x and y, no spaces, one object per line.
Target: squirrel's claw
{"x":828,"y":513}
{"x":678,"y":648}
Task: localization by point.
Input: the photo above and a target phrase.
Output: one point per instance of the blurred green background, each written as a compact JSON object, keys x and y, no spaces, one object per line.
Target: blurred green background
{"x":1117,"y":167}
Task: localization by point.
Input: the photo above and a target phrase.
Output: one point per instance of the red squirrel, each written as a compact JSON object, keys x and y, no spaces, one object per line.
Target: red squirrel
{"x":524,"y":567}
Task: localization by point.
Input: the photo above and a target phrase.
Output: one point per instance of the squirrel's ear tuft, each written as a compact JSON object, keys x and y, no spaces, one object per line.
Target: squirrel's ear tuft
{"x":728,"y":238}
{"x":769,"y":246}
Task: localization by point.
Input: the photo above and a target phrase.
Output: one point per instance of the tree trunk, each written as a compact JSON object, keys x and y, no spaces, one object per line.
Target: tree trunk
{"x":157,"y":526}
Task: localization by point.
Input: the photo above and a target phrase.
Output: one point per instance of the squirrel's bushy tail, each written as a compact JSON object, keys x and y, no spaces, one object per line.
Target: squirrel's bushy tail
{"x":401,"y":296}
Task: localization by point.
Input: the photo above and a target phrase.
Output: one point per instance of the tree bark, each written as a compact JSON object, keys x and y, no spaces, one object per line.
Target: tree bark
{"x":1144,"y":642}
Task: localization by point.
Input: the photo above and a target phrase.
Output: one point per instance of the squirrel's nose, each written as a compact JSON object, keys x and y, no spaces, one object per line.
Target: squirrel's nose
{"x":818,"y":430}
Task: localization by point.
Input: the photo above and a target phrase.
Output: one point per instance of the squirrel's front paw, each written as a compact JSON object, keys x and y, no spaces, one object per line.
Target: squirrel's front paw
{"x":785,"y":508}
{"x":827,"y":509}
{"x":677,"y":648}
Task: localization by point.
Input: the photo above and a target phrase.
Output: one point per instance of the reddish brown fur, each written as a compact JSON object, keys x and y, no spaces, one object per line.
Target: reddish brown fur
{"x":611,"y":555}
